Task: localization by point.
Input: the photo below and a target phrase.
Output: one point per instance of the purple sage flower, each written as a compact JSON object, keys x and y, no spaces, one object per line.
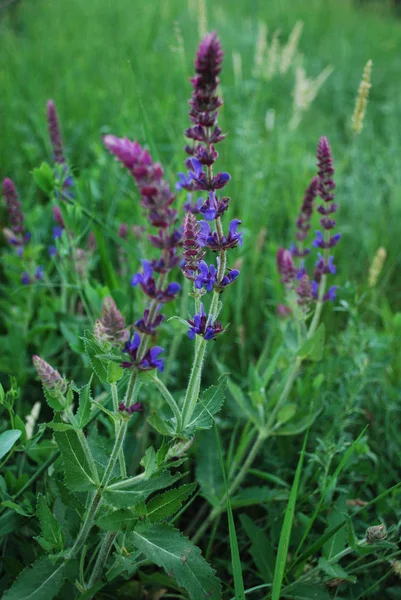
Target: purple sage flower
{"x":199,"y":325}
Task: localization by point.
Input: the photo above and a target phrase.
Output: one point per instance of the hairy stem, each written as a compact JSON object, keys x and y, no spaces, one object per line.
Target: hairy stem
{"x":121,"y":457}
{"x":104,"y":551}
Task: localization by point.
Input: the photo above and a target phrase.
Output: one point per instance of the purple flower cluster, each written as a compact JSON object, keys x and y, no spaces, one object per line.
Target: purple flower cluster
{"x":15,"y":235}
{"x":57,"y":146}
{"x":156,"y":200}
{"x":205,"y":134}
{"x":290,"y":263}
{"x":111,"y":326}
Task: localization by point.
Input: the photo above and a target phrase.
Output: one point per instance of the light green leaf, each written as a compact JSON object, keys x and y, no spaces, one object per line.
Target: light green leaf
{"x":162,"y":426}
{"x":313,"y":348}
{"x":85,"y":404}
{"x":79,"y":474}
{"x":338,"y":541}
{"x":114,"y":372}
{"x":44,"y":178}
{"x":208,"y":477}
{"x":286,"y":413}
{"x":42,"y":581}
{"x":132,"y":492}
{"x":164,"y":505}
{"x":168,"y":548}
{"x":299,"y":425}
{"x":8,"y":439}
{"x":208,"y":405}
{"x":243,"y":403}
{"x":92,"y":349}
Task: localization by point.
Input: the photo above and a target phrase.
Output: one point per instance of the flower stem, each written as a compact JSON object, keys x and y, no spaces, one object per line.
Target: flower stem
{"x":169,"y":399}
{"x":121,"y":457}
{"x":104,"y":551}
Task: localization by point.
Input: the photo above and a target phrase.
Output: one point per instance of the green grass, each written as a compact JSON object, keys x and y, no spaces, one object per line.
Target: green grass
{"x":114,"y":67}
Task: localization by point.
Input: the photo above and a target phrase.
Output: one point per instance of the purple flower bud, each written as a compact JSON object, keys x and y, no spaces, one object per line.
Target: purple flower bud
{"x":52,"y":251}
{"x":111,"y":327}
{"x":58,"y":217}
{"x":25,"y":279}
{"x":50,"y":378}
{"x":39,"y":273}
{"x":285,"y":266}
{"x":193,"y":253}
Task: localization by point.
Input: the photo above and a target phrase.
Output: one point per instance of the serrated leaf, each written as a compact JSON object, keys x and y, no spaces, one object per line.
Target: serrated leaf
{"x":54,"y":400}
{"x":41,"y":581}
{"x":114,"y":372}
{"x":85,"y":404}
{"x":334,"y":570}
{"x":8,"y":439}
{"x":59,"y":426}
{"x":149,"y":462}
{"x":118,"y":520}
{"x":313,"y":348}
{"x":50,"y":528}
{"x":79,"y":474}
{"x":208,"y":405}
{"x":127,"y":493}
{"x":93,"y":349}
{"x":166,"y":547}
{"x":166,"y":504}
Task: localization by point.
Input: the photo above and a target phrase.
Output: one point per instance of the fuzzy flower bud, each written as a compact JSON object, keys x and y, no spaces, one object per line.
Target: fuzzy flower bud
{"x":111,"y":327}
{"x":50,"y":378}
{"x":376,"y":534}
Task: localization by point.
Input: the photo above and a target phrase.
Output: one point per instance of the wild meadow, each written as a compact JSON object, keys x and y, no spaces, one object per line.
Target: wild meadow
{"x":200,"y":304}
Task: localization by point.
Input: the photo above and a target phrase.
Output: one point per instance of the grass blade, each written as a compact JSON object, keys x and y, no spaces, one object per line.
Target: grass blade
{"x":287,"y":527}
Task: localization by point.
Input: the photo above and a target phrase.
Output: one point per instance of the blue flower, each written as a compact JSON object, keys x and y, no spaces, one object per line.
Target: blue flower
{"x":57,"y":232}
{"x":52,"y":251}
{"x":148,"y":362}
{"x":206,"y":276}
{"x":39,"y":273}
{"x":199,"y":326}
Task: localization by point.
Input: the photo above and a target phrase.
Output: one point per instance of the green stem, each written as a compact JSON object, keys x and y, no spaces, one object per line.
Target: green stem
{"x":121,"y":457}
{"x":118,"y":444}
{"x":85,"y":446}
{"x":169,"y":399}
{"x":86,"y":525}
{"x":104,"y":551}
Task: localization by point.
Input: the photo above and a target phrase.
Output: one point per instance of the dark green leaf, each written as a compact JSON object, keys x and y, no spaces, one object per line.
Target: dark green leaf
{"x":85,"y":404}
{"x":79,"y":473}
{"x":260,"y":550}
{"x":166,"y":504}
{"x":168,"y":548}
{"x":42,"y":581}
{"x":208,"y":405}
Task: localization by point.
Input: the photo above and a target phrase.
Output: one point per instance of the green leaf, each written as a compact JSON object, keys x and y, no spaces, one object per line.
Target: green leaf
{"x":26,"y":511}
{"x":299,"y":425}
{"x":79,"y":475}
{"x":114,"y":372}
{"x":242,"y":402}
{"x":85,"y":405}
{"x":93,"y":349}
{"x":42,"y":581}
{"x":166,"y":504}
{"x":313,"y":348}
{"x":285,"y":534}
{"x":162,"y":426}
{"x":168,"y":548}
{"x":8,"y":439}
{"x":208,"y":405}
{"x":334,"y":570}
{"x":44,"y":178}
{"x":132,"y":491}
{"x":208,"y":477}
{"x":338,"y":541}
{"x":50,"y":528}
{"x":55,"y":400}
{"x":9,"y":521}
{"x":260,"y":550}
{"x":118,"y":520}
{"x":286,"y":413}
